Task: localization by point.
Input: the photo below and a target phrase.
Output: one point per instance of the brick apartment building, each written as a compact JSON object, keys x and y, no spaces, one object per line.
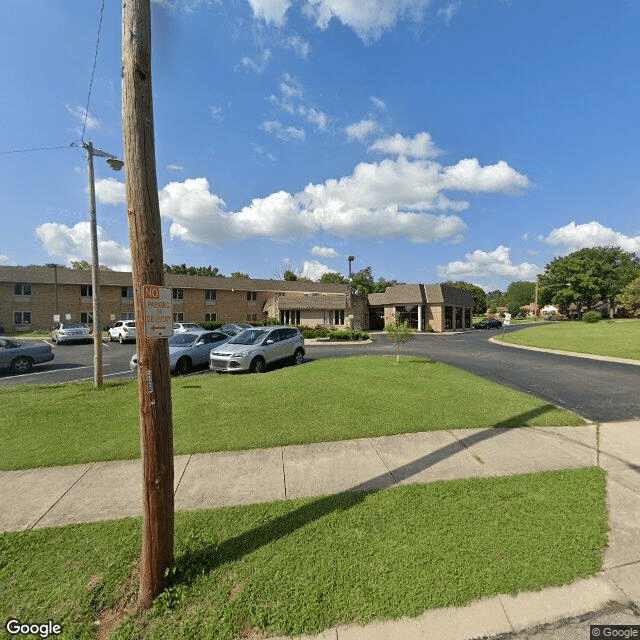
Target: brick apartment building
{"x":32,"y":297}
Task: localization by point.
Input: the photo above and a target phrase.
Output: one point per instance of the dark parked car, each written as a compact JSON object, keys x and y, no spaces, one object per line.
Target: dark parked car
{"x":488,"y":324}
{"x":19,"y":357}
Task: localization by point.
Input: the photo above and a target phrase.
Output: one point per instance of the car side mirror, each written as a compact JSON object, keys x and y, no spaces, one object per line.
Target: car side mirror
{"x":269,"y":341}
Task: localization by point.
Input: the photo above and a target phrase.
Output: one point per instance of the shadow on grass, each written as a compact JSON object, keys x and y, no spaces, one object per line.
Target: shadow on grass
{"x":250,"y":541}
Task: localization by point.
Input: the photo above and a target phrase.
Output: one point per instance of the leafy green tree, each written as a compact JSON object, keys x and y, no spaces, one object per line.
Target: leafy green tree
{"x":238,"y":275}
{"x":630,"y":296}
{"x":478,"y":293}
{"x":399,"y":333}
{"x":83,"y":265}
{"x":588,"y":276}
{"x":290,"y":276}
{"x":333,"y":277}
{"x":495,"y":299}
{"x":519,"y":294}
{"x":183,"y":269}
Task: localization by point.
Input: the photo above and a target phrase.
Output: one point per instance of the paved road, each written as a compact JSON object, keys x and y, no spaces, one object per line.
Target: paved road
{"x":597,"y":390}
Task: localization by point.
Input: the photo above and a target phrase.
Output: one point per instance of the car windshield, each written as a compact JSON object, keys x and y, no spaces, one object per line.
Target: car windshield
{"x":75,"y":326}
{"x":182,"y":339}
{"x":248,"y":336}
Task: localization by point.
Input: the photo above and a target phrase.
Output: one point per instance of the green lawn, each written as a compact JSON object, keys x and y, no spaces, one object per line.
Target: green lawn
{"x":301,"y":566}
{"x":319,"y":401}
{"x":618,"y":338}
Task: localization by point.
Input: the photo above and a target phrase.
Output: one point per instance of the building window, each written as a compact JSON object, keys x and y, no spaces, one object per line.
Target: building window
{"x":334,"y":317}
{"x":21,"y":317}
{"x":290,"y":316}
{"x":86,"y":317}
{"x":21,"y":289}
{"x":128,"y":315}
{"x":252,"y":316}
{"x":86,"y":291}
{"x":211,"y":295}
{"x":252,"y":296}
{"x":178,"y":317}
{"x":127,"y":292}
{"x":210,"y":317}
{"x":467,"y":318}
{"x":177,"y":294}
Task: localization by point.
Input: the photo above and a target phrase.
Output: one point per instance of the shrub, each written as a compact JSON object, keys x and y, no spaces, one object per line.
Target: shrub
{"x":211,"y":325}
{"x":591,"y":316}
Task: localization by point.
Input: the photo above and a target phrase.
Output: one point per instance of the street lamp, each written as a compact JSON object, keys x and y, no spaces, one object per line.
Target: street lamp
{"x":116,"y":165}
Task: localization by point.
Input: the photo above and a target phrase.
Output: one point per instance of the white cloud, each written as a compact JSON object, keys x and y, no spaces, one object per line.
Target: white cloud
{"x":447,"y":12}
{"x":175,"y":167}
{"x":286,"y":134}
{"x":360,"y":130}
{"x":489,"y":266}
{"x":80,"y":113}
{"x":318,"y":118}
{"x":216,"y":113}
{"x":7,"y":261}
{"x":420,"y":146}
{"x":110,"y":191}
{"x":394,"y":198}
{"x":469,"y":175}
{"x":325,"y":252}
{"x":74,"y":243}
{"x":271,"y":11}
{"x":368,"y":19}
{"x":300,"y":46}
{"x":378,"y":103}
{"x":592,"y":234}
{"x":291,"y":88}
{"x":314,"y":270}
{"x":259,"y":66}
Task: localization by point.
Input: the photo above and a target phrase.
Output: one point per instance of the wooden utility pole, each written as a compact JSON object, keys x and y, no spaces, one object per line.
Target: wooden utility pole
{"x":154,"y":384}
{"x":95,"y":272}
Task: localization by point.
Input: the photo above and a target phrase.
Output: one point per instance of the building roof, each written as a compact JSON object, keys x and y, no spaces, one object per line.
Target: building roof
{"x":402,"y":294}
{"x":64,"y":275}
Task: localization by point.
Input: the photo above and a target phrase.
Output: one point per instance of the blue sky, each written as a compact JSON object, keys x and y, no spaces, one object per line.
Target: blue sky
{"x":430,"y":139}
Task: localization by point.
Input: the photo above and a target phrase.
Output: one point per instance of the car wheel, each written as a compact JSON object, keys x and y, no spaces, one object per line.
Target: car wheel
{"x":111,"y":338}
{"x":21,"y":365}
{"x":182,"y":367}
{"x":257,"y":365}
{"x":120,"y":339}
{"x":298,"y":356}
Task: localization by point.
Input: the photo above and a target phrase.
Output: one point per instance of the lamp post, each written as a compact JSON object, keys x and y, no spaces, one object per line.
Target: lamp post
{"x":116,"y":165}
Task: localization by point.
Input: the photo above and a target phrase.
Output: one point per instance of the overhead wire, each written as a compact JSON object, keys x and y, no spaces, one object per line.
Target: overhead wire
{"x":93,"y":71}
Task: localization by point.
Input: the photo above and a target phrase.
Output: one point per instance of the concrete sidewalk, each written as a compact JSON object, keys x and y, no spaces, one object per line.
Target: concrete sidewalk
{"x":92,"y":492}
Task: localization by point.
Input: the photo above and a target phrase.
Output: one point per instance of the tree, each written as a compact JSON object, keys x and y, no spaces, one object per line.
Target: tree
{"x":479,"y":296}
{"x":83,"y":265}
{"x":182,"y":269}
{"x":290,"y":276}
{"x":332,"y":276}
{"x":238,"y":275}
{"x":630,"y":296}
{"x":495,"y":299}
{"x":519,"y":294}
{"x":399,"y":333}
{"x":588,"y":276}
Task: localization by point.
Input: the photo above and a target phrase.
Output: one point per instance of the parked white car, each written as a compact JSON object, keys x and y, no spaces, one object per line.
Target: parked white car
{"x":71,"y":332}
{"x":183,"y":327}
{"x":256,"y":348}
{"x":122,"y":331}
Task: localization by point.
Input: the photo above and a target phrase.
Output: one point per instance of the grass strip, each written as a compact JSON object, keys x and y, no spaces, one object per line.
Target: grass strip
{"x":321,"y":401}
{"x":301,"y":566}
{"x":615,"y":338}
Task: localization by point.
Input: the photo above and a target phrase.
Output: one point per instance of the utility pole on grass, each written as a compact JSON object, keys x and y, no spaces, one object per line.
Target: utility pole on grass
{"x":154,"y":384}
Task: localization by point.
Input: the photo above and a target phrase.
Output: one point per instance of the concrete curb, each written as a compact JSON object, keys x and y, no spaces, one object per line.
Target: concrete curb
{"x":586,"y":356}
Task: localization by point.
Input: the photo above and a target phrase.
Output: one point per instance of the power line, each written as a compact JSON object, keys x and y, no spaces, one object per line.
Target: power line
{"x":12,"y":151}
{"x":95,"y":60}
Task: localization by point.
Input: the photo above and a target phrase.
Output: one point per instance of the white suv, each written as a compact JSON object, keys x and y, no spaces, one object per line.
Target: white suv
{"x":123,"y":330}
{"x":257,"y":347}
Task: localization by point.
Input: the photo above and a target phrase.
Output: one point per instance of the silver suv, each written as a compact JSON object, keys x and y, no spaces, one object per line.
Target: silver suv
{"x":255,"y":348}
